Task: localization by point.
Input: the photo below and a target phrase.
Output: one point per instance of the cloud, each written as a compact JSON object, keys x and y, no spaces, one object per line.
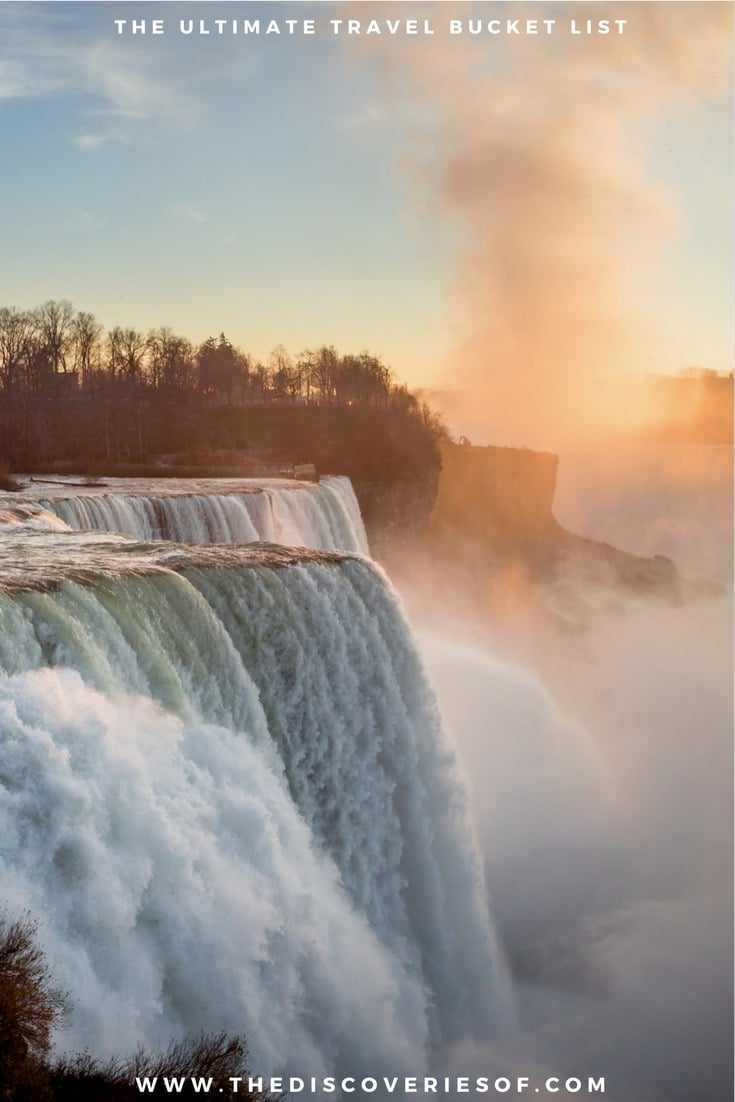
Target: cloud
{"x":132,"y":86}
{"x":372,"y":114}
{"x":189,"y":215}
{"x":122,"y":85}
{"x":85,"y":140}
{"x":15,"y":80}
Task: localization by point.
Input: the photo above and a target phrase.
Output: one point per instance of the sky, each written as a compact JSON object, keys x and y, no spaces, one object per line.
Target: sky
{"x":502,"y":209}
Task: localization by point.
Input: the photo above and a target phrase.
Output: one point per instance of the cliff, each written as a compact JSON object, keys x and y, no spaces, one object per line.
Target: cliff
{"x":397,"y":512}
{"x":493,"y":509}
{"x":500,"y":495}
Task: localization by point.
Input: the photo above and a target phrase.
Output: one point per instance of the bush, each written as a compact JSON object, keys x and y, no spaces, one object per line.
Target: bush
{"x":218,"y":1057}
{"x":30,"y":1008}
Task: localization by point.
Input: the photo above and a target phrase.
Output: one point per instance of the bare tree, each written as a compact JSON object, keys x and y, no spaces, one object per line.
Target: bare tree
{"x":114,"y":353}
{"x":261,"y":380}
{"x":54,"y":323}
{"x":16,"y":330}
{"x":306,"y":363}
{"x":325,"y":372}
{"x":30,"y":1006}
{"x":85,"y":335}
{"x":170,"y":359}
{"x":126,"y":349}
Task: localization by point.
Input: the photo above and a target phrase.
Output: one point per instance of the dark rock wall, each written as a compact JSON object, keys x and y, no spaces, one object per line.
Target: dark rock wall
{"x":499,"y":495}
{"x":398,"y":511}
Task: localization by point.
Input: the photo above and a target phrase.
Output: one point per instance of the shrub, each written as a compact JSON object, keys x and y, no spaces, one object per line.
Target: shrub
{"x":30,"y":1008}
{"x":216,"y":1056}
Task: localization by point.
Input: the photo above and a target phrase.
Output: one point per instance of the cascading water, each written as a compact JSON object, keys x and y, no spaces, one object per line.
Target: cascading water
{"x":226,"y":794}
{"x":319,"y":516}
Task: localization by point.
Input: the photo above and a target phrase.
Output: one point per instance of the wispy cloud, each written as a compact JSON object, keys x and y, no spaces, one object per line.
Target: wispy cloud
{"x":86,"y":140}
{"x":123,"y":87}
{"x":129,"y":87}
{"x":373,"y":114}
{"x":186,"y":215}
{"x":14,"y":80}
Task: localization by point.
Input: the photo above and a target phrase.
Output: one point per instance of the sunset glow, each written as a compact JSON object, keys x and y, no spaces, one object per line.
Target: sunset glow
{"x":504,"y":211}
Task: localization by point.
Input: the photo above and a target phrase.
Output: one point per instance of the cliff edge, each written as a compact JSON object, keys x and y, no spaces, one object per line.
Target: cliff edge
{"x":500,"y":495}
{"x":494,"y":506}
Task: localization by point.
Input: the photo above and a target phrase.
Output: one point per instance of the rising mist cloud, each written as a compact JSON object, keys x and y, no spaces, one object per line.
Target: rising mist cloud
{"x":534,"y":158}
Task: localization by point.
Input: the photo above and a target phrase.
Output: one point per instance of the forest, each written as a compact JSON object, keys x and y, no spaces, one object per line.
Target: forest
{"x":72,"y":391}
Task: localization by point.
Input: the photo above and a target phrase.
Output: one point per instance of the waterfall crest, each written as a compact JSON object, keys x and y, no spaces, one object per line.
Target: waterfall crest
{"x":320,"y":516}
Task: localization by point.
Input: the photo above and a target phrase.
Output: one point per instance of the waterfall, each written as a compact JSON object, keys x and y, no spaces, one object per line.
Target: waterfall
{"x":226,"y":794}
{"x":323,"y":515}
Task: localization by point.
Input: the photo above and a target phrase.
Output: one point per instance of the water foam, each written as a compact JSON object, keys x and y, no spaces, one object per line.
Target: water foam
{"x":274,"y":841}
{"x":178,"y":888}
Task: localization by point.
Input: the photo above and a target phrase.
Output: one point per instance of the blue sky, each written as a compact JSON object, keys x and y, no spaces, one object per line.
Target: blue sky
{"x":233,"y":187}
{"x":285,"y":190}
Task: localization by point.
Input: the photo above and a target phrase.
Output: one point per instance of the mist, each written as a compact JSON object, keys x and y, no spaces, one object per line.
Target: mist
{"x":599,"y":764}
{"x":537,"y":166}
{"x":665,"y":500}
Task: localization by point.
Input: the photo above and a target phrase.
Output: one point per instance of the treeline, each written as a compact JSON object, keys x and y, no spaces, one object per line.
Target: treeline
{"x":72,"y":391}
{"x":55,"y":349}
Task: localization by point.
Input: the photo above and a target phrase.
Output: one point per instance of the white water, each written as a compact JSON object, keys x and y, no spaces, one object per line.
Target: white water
{"x":226,"y":794}
{"x":28,"y":516}
{"x":321,"y":516}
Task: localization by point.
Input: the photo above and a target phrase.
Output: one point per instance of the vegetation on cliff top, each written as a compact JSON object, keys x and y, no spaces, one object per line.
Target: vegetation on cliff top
{"x":70,"y":390}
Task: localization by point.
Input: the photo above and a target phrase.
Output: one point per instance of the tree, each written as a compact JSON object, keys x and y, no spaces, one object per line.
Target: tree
{"x":170,"y":359}
{"x":206,"y":361}
{"x":16,"y":330}
{"x":114,"y":352}
{"x":126,"y":350}
{"x":38,"y":363}
{"x":325,"y":372}
{"x":85,"y":336}
{"x":363,"y":378}
{"x":260,"y":380}
{"x":54,"y":322}
{"x":133,"y":347}
{"x":30,"y":1006}
{"x":306,"y":363}
{"x":287,"y":374}
{"x":221,"y":368}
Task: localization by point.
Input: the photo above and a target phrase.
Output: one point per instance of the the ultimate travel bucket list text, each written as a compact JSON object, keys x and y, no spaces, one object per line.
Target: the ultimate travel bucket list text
{"x":390,"y":28}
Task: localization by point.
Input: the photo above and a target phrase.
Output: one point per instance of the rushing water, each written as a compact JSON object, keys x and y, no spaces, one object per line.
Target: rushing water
{"x":226,"y":794}
{"x":320,"y":516}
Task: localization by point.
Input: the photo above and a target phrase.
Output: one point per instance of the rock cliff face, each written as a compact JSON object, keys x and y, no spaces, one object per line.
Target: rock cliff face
{"x":492,"y":507}
{"x":499,"y":496}
{"x":396,"y":512}
{"x":503,"y":496}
